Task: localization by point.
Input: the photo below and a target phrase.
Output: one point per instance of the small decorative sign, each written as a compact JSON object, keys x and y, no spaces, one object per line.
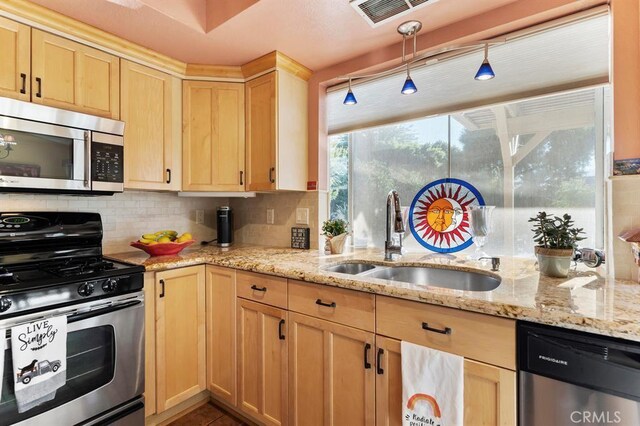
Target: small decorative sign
{"x":300,"y":238}
{"x":630,"y":166}
{"x":438,"y":215}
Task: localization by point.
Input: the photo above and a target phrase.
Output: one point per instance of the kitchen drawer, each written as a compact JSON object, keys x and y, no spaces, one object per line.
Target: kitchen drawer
{"x":475,"y":336}
{"x":262,"y":288}
{"x":347,"y":307}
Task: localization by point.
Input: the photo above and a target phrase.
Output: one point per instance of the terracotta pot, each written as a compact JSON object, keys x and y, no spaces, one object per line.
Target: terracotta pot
{"x":554,"y":262}
{"x":337,"y":243}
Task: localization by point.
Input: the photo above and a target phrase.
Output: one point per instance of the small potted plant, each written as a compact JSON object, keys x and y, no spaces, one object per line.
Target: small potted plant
{"x":556,"y":239}
{"x":335,"y":232}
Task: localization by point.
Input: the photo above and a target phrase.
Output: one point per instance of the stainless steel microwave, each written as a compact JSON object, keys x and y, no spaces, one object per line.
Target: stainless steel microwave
{"x":44,"y":149}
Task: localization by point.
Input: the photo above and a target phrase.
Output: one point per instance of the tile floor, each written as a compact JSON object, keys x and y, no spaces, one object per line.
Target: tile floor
{"x":207,"y":415}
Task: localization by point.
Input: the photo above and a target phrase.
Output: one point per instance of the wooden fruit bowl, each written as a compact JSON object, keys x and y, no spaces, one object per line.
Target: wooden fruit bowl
{"x":162,"y":249}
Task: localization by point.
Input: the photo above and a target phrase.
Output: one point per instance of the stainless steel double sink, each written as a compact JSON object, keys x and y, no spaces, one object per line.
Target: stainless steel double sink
{"x":420,"y":275}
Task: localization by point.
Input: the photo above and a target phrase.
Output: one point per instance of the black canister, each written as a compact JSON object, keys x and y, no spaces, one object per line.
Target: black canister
{"x":225,"y":226}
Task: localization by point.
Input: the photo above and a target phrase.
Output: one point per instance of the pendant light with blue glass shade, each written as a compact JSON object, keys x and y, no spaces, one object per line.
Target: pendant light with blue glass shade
{"x":409,"y":86}
{"x":350,"y":99}
{"x":485,"y":72}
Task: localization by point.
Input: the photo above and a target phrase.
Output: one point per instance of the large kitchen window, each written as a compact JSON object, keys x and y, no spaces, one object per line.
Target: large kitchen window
{"x":544,"y":147}
{"x":523,"y":157}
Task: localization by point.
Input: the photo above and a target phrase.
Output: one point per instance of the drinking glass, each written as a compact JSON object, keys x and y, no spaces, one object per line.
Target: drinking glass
{"x":481,"y":226}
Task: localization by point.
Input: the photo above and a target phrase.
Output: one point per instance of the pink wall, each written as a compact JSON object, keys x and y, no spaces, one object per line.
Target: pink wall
{"x":626,"y":78}
{"x":509,"y":18}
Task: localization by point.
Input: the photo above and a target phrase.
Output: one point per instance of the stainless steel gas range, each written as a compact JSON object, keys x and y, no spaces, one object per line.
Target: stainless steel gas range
{"x":51,"y":264}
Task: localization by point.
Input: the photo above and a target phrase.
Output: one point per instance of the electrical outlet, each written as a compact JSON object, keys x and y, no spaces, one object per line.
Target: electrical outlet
{"x":302,"y":216}
{"x":199,"y":217}
{"x":270,"y":216}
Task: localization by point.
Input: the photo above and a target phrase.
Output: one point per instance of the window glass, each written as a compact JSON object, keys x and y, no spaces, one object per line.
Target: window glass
{"x":523,"y":157}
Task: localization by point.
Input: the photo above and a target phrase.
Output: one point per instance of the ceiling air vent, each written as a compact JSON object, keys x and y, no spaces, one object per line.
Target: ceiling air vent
{"x":377,"y":12}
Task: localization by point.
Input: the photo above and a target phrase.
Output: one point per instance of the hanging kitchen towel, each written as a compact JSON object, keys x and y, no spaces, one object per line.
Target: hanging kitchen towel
{"x":432,"y":387}
{"x":39,"y":352}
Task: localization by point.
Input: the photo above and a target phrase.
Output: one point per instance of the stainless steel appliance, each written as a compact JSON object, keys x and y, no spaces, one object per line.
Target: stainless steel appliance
{"x":51,"y":264}
{"x":46,"y":149}
{"x":224,"y":226}
{"x":568,"y":377}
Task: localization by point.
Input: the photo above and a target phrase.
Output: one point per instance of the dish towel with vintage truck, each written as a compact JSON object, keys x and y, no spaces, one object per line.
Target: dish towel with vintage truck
{"x":432,"y":387}
{"x":39,"y":352}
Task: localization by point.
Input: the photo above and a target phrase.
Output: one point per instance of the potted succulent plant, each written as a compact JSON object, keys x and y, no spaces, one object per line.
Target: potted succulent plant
{"x":556,"y":239}
{"x":335,"y":232}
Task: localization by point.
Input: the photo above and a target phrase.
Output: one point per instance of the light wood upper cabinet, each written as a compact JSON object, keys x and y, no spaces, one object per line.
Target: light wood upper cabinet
{"x":262,"y":362}
{"x":70,"y":75}
{"x":221,"y":332}
{"x":331,"y":373}
{"x":180,"y":335}
{"x":489,"y":391}
{"x":15,"y":67}
{"x":276,"y":132}
{"x":150,"y":107}
{"x":213,"y":136}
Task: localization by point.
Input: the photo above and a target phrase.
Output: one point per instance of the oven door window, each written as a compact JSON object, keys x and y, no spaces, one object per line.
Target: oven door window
{"x":24,"y":154}
{"x":91,"y":361}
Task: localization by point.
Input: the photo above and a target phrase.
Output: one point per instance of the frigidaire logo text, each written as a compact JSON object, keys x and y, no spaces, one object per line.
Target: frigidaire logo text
{"x":596,"y":417}
{"x":555,"y":361}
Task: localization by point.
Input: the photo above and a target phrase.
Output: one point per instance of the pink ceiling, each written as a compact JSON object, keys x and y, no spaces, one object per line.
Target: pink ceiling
{"x":317,"y":33}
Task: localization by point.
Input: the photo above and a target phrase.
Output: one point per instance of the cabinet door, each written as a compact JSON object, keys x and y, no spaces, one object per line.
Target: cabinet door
{"x":149,"y":344}
{"x":331,"y":376}
{"x":262,"y":362}
{"x":213,"y":136}
{"x":262,"y":132}
{"x":489,"y":391}
{"x":70,"y":75}
{"x":180,"y":335}
{"x":15,"y":67}
{"x":221,"y":332}
{"x":147,"y":108}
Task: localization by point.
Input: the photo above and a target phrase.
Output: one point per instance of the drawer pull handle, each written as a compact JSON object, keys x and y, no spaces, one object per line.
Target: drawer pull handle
{"x":328,"y":305}
{"x":256,"y":288}
{"x":447,"y":330}
{"x":162,"y":291}
{"x":280,"y":332}
{"x":379,"y":368}
{"x":367,"y":364}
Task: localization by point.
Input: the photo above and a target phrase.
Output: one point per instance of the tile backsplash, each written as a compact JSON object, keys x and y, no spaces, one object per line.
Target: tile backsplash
{"x":250,"y":217}
{"x":128,"y":215}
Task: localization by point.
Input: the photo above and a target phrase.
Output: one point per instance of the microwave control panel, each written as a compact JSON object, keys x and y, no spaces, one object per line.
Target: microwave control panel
{"x":107,"y":162}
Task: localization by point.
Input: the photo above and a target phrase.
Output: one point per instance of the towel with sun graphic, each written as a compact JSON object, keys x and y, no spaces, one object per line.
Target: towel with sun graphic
{"x":438,"y":215}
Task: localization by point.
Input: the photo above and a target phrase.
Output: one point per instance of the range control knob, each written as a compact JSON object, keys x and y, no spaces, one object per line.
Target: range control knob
{"x":86,"y":289}
{"x":110,"y":285}
{"x":5,"y":304}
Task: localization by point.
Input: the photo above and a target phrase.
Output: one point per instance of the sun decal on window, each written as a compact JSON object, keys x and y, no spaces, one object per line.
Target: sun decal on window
{"x":438,"y":216}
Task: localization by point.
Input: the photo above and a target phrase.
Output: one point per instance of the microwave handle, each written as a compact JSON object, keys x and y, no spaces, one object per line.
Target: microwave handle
{"x":87,"y":161}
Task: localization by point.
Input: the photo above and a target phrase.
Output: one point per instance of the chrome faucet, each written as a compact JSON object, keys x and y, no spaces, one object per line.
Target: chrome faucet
{"x":395,"y":226}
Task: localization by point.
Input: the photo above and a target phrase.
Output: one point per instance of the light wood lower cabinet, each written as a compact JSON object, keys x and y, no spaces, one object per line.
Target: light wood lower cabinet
{"x":489,"y":391}
{"x":331,"y":373}
{"x":149,"y":344}
{"x":221,"y":332}
{"x":180,"y":335}
{"x":262,"y":362}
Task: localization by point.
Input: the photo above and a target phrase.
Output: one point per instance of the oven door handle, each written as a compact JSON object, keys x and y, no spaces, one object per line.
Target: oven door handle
{"x":102,"y":311}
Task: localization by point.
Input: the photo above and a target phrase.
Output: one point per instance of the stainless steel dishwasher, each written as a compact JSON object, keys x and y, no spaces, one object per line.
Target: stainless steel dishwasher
{"x":568,"y":377}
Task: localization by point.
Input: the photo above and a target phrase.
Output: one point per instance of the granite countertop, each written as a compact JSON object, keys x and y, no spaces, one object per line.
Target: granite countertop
{"x":584,"y":301}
